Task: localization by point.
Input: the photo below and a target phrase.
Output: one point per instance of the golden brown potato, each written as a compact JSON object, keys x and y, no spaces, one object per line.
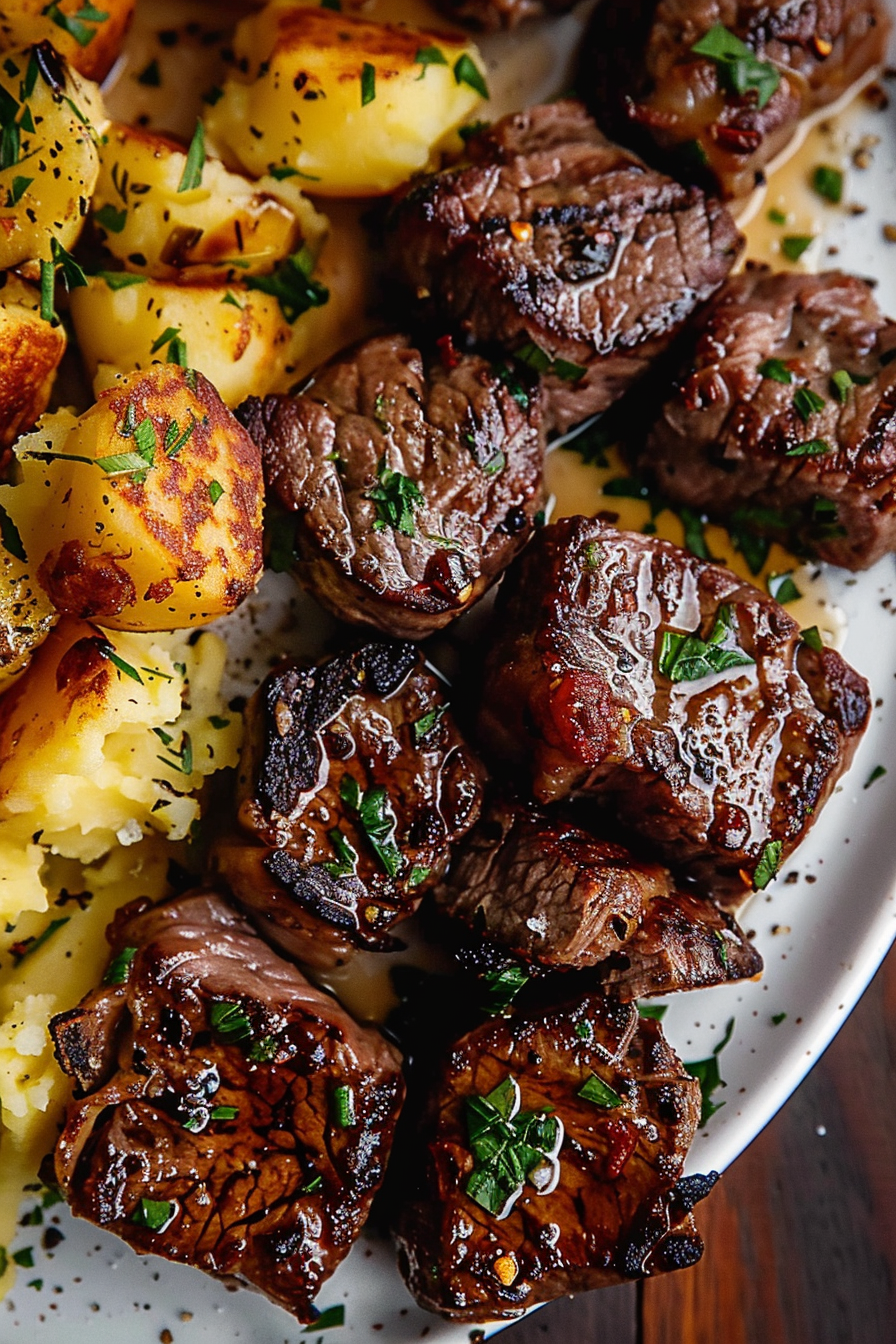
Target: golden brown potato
{"x":354,"y":107}
{"x":30,"y":352}
{"x":90,"y":45}
{"x":47,"y":185}
{"x":223,"y":229}
{"x":26,"y":613}
{"x":239,"y":339}
{"x":145,"y":513}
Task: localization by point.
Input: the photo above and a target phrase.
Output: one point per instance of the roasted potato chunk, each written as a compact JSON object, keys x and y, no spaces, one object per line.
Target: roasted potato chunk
{"x":26,"y":613}
{"x":239,"y":339}
{"x":353,"y":107}
{"x":45,"y":190}
{"x":223,"y":228}
{"x":145,"y":513}
{"x":90,"y":44}
{"x":30,"y":352}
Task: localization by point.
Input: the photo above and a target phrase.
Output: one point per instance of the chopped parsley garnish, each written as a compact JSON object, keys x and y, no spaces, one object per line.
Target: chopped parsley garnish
{"x":689,"y":658}
{"x":156,"y":1214}
{"x":429,"y":56}
{"x":768,"y":865}
{"x":111,"y":219}
{"x":841,"y":382}
{"x":333,"y":1316}
{"x":827,"y":182}
{"x":472,"y":128}
{"x":795,"y":244}
{"x":77,"y":25}
{"x":811,"y":448}
{"x":509,"y":1147}
{"x":177,"y":346}
{"x":707,"y":1073}
{"x":737,"y":67}
{"x":232,"y":300}
{"x":215,"y":491}
{"x":877,"y":773}
{"x":346,"y":855}
{"x":120,"y":279}
{"x":778,"y":1018}
{"x":467,"y":72}
{"x":594,"y":1089}
{"x":342,"y":1106}
{"x":229,"y":1020}
{"x":182,"y":759}
{"x":776,"y":216}
{"x":264,"y":1050}
{"x":655,"y":1011}
{"x":811,"y":637}
{"x":10,"y":538}
{"x":532,"y":355}
{"x":584,"y":1031}
{"x":418,"y":875}
{"x":425,"y":724}
{"x":291,"y":285}
{"x":73,"y":277}
{"x":105,"y":650}
{"x":15,"y":193}
{"x":396,"y":496}
{"x":120,"y":967}
{"x":224,"y":1113}
{"x":782,"y":588}
{"x":777,"y":370}
{"x":176,"y":439}
{"x":694,"y":533}
{"x":377,"y":820}
{"x":25,"y":1257}
{"x":807,"y":403}
{"x":368,"y":83}
{"x":191,"y":178}
{"x":19,"y":951}
{"x":501,"y":988}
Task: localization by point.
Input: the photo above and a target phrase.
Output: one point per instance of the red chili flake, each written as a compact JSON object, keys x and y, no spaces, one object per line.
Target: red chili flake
{"x":623,"y":1142}
{"x":736,"y":139}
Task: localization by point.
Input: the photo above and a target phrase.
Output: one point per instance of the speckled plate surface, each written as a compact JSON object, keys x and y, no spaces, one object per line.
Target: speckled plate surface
{"x":822,"y":927}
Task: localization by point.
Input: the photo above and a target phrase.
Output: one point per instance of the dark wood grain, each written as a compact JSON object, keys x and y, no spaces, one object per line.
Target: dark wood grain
{"x":801,"y":1232}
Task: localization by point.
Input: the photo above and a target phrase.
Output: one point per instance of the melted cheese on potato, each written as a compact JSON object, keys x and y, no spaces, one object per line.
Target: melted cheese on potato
{"x":355,"y":108}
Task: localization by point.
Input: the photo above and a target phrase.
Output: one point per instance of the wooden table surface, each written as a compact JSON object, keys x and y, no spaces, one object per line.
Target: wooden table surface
{"x":800,"y":1233}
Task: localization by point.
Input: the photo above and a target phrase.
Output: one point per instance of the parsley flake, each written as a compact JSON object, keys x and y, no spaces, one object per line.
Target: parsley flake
{"x":689,"y":658}
{"x":395,"y":497}
{"x":827,"y":182}
{"x":467,"y":72}
{"x":156,"y":1214}
{"x":429,"y":56}
{"x":191,"y":178}
{"x":738,"y":69}
{"x":777,"y":370}
{"x":292,"y":286}
{"x":768,"y":865}
{"x":368,"y":83}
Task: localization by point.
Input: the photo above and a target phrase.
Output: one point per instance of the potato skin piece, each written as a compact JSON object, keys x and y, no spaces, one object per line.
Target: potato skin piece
{"x":30,"y":353}
{"x":24,"y":21}
{"x":172,"y":546}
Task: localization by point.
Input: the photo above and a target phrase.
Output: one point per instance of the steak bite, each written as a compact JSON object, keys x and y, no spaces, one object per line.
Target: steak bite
{"x":354,"y":785}
{"x":783,"y":418}
{"x":414,"y":479}
{"x":721,"y":85}
{"x":624,"y":666}
{"x":565,"y":249}
{"x":556,"y":894}
{"x":229,"y":1115}
{"x":549,"y":1161}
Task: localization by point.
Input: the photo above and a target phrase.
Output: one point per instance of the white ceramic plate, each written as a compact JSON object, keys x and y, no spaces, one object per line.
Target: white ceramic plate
{"x":823,"y":927}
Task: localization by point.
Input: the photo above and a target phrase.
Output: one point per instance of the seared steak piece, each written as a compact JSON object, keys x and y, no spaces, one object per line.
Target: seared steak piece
{"x":784,"y":416}
{"x":491,"y":15}
{"x":353,"y":786}
{"x":558,"y":895}
{"x":413,"y":479}
{"x":564,"y":248}
{"x":549,"y":1161}
{"x":625,"y":666}
{"x":229,"y":1115}
{"x":724,"y":112}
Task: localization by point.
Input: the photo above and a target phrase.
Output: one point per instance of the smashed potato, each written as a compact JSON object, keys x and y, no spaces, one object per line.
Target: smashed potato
{"x":26,"y":613}
{"x":30,"y":353}
{"x":145,"y":513}
{"x":355,"y":108}
{"x":239,"y":339}
{"x":221,"y":228}
{"x":90,"y":37}
{"x":45,"y":190}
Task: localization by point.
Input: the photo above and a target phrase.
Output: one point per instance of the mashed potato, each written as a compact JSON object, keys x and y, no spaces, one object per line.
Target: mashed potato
{"x":96,"y":789}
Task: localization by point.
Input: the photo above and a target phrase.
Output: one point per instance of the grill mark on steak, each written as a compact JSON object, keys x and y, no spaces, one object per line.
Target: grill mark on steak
{"x":463,"y":432}
{"x":273,"y":1191}
{"x":497,"y":247}
{"x":648,"y":89}
{"x":326,"y":747}
{"x":711,"y":770}
{"x":721,"y":440}
{"x":618,"y":1210}
{"x":562,"y":896}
